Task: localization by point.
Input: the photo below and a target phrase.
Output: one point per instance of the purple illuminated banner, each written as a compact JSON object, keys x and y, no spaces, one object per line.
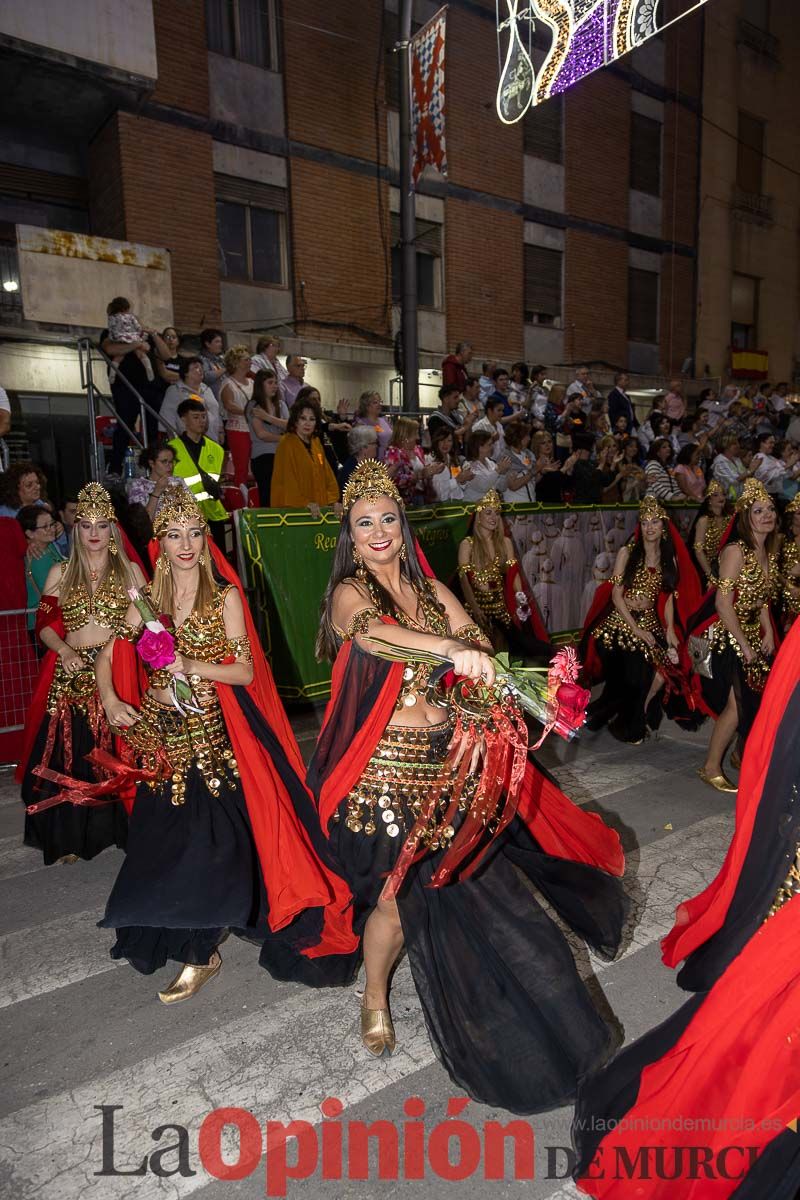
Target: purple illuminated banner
{"x":548,"y":45}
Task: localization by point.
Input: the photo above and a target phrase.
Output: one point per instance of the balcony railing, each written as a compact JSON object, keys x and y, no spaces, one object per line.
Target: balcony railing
{"x":752,"y":206}
{"x":760,"y":41}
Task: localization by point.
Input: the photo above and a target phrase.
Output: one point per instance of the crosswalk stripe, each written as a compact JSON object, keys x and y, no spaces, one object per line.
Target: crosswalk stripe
{"x":53,"y":955}
{"x":280,"y":1061}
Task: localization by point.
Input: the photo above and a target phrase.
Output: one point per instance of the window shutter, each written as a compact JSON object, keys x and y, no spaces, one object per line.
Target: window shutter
{"x":542,"y":282}
{"x":542,"y":130}
{"x":750,"y":154}
{"x":645,"y":154}
{"x":642,"y":305}
{"x":44,"y":186}
{"x":248,"y":191}
{"x":428,"y":236}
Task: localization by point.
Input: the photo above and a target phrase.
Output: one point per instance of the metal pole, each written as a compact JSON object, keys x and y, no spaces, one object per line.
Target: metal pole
{"x":408,"y":231}
{"x":84,"y":347}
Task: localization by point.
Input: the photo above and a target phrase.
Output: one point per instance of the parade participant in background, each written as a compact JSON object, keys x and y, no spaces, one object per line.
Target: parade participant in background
{"x":713,"y":518}
{"x":490,"y":968}
{"x":216,"y":842}
{"x":728,"y":1057}
{"x":634,"y":632}
{"x":734,"y":628}
{"x":790,"y":562}
{"x":495,"y":591}
{"x":302,"y":476}
{"x":83,"y":604}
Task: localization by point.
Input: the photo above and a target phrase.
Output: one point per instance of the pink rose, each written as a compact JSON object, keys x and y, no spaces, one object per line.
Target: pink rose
{"x":156,"y":649}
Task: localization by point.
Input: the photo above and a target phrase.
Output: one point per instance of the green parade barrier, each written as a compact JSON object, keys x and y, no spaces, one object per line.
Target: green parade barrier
{"x":287,"y":557}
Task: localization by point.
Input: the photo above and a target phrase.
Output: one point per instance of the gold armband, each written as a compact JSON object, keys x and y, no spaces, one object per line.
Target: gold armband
{"x":359,"y":622}
{"x":699,"y":546}
{"x":464,"y":569}
{"x":469,"y":633}
{"x":726,"y":585}
{"x":615,"y":580}
{"x":239,"y":647}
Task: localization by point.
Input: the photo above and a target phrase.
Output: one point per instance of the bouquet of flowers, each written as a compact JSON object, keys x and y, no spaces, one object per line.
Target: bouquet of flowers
{"x":550,"y":694}
{"x":156,"y":647}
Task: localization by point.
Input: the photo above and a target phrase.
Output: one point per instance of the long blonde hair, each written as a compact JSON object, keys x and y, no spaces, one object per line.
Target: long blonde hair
{"x":77,"y":572}
{"x":478,"y":557}
{"x":162,"y":593}
{"x":404,"y":429}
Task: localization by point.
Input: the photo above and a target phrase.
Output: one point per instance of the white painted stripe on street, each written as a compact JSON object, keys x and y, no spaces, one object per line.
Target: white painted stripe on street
{"x":18,"y":859}
{"x":53,"y":955}
{"x":279,"y":1062}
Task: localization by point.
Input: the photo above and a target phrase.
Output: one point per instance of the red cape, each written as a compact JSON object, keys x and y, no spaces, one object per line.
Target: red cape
{"x":699,"y":919}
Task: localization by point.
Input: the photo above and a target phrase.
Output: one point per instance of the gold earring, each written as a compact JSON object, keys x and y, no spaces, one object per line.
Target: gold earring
{"x":361,"y":571}
{"x":403,"y":554}
{"x":161,"y":562}
{"x":203,"y":559}
{"x":112,"y":547}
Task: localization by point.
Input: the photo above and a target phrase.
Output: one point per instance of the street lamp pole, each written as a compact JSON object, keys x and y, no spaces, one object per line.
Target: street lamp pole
{"x":408,"y":232}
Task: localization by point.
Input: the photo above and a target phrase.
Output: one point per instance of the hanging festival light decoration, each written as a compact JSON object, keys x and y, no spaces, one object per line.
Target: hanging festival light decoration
{"x":546,"y":47}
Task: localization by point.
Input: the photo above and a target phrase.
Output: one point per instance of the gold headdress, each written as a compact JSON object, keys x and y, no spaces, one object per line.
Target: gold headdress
{"x":651,"y":509}
{"x":794,"y":505}
{"x":752,"y":491}
{"x":370,"y":480}
{"x":490,"y":500}
{"x":715,"y":488}
{"x":94,"y":504}
{"x":179,"y":508}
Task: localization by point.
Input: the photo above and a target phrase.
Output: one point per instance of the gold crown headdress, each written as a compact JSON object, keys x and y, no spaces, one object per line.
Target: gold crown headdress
{"x":490,"y":500}
{"x":752,"y":491}
{"x":794,"y":505}
{"x":94,"y":504}
{"x":179,"y":508}
{"x":652,"y":509}
{"x":368,"y":481}
{"x":715,"y":488}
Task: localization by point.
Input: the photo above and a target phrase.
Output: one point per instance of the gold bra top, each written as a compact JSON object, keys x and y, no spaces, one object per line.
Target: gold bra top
{"x":490,"y":577}
{"x":645,"y":585}
{"x":713,"y":536}
{"x":754,"y":587}
{"x":790,"y":556}
{"x":107,"y":606}
{"x":204,"y":637}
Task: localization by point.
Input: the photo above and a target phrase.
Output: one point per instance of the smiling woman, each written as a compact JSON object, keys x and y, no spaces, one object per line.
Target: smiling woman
{"x":410,"y":807}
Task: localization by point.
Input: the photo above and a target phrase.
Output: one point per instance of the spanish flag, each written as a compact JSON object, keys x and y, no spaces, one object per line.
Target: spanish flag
{"x":749,"y":364}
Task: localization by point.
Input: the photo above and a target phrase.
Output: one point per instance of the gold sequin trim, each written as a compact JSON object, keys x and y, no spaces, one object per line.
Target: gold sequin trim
{"x":359,"y":622}
{"x":239,"y":647}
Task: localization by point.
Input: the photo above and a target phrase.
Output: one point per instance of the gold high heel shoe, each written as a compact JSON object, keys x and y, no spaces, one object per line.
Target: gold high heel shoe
{"x":190,"y":979}
{"x":720,"y":782}
{"x":377,"y":1030}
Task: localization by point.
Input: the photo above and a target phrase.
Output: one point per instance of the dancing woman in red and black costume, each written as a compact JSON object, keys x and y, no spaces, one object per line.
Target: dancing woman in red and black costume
{"x":732,"y":1053}
{"x":429,"y":842}
{"x":223,"y":834}
{"x":633,"y":635}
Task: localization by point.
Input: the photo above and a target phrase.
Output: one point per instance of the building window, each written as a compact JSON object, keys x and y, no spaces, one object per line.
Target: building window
{"x":429,"y":263}
{"x":750,"y":160}
{"x":251,"y":231}
{"x":543,"y":273}
{"x":744,"y":312}
{"x":645,"y":155}
{"x":542,"y":130}
{"x":243,"y":29}
{"x":642,"y":305}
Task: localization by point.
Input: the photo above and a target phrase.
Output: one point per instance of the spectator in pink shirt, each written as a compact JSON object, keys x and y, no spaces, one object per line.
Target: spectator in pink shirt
{"x":674,"y":405}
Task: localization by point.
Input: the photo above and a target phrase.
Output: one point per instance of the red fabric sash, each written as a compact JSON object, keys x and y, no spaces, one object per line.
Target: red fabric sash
{"x":537,"y":624}
{"x":734,"y":1069}
{"x":36,"y":711}
{"x":698,"y":919}
{"x":561,"y":828}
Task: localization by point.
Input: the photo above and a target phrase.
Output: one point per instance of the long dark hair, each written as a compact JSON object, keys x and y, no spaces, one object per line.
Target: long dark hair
{"x":344,"y":568}
{"x":271,"y":405}
{"x":669,"y":564}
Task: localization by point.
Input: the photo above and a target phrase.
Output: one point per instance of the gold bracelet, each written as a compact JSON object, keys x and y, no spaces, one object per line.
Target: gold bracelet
{"x":359,"y":622}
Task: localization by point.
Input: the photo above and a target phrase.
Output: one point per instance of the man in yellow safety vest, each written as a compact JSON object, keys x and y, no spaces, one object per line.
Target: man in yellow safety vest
{"x":198,"y":461}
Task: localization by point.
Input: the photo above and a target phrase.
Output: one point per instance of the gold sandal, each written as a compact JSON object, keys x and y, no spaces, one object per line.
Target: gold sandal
{"x":377,"y":1031}
{"x":720,"y":782}
{"x":190,"y":979}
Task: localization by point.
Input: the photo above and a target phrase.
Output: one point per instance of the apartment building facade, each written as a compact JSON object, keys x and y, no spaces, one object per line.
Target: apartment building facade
{"x":256,"y":141}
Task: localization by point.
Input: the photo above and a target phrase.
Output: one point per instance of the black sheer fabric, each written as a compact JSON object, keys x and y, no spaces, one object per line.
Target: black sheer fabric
{"x":366,"y":676}
{"x":774,"y":841}
{"x":628,"y":677}
{"x":69,"y":828}
{"x":776,"y":1173}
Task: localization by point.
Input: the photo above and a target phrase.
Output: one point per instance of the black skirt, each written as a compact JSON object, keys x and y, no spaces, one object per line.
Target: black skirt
{"x":191,"y":874}
{"x":506,"y":1011}
{"x":69,"y":828}
{"x":728,"y":673}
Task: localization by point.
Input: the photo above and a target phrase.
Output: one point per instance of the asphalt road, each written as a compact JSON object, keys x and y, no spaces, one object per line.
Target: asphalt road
{"x":82,"y":1034}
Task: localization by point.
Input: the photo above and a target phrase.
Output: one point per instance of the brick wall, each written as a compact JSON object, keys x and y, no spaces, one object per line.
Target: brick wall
{"x":136,"y":193}
{"x":596,"y":298}
{"x":677,"y":311}
{"x":597,"y":149}
{"x":330,"y":79}
{"x":338,"y":252}
{"x":180,"y":28}
{"x":679,"y":175}
{"x":483,"y":278}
